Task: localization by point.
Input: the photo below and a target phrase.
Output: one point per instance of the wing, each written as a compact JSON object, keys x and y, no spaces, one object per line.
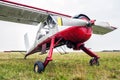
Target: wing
{"x":20,"y":13}
{"x":102,"y":28}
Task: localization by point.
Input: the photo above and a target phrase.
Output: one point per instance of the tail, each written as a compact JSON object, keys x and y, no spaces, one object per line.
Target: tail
{"x":26,"y":41}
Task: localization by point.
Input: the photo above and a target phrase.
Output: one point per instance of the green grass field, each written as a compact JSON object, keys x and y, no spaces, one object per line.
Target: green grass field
{"x":63,"y":67}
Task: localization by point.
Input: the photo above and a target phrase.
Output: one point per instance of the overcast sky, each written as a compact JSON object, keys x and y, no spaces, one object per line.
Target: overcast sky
{"x":12,"y":34}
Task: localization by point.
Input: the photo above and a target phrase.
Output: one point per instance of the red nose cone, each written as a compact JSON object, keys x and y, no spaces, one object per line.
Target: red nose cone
{"x":92,"y":21}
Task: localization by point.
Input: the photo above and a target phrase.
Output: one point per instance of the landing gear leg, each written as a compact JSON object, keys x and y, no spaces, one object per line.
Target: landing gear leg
{"x":94,"y":60}
{"x":39,"y":66}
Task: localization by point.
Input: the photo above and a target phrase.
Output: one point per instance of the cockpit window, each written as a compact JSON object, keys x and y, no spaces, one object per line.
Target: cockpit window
{"x":50,"y":22}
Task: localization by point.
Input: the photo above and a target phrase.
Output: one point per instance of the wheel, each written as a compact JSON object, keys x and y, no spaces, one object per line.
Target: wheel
{"x":94,"y":61}
{"x":38,"y":67}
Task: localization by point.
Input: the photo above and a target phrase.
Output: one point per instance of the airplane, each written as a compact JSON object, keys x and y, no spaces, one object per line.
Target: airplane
{"x":55,"y":30}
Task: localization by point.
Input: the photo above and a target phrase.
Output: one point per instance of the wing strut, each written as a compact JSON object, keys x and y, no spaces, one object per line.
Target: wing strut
{"x":61,"y":52}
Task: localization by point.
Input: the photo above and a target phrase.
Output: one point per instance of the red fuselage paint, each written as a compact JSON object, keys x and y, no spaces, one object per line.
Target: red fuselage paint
{"x":76,"y":34}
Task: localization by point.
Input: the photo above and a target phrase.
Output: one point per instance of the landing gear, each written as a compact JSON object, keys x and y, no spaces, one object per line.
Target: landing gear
{"x":94,"y":61}
{"x":38,"y":67}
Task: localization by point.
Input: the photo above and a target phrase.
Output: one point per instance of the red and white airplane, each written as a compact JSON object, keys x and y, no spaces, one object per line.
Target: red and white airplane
{"x":55,"y":29}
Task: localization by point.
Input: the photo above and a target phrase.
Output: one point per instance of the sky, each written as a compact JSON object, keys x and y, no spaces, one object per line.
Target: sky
{"x":12,"y":34}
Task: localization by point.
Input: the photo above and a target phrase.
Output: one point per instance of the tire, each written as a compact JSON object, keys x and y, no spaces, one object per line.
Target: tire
{"x":94,"y":62}
{"x":38,"y":67}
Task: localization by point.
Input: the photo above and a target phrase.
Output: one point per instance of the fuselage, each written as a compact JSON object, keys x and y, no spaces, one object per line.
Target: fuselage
{"x":74,"y":34}
{"x":70,"y":32}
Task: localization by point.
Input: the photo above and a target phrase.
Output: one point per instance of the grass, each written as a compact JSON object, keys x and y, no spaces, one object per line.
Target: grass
{"x":63,"y":67}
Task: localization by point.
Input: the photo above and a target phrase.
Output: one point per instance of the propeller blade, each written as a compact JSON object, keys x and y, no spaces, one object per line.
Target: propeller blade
{"x":102,"y":28}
